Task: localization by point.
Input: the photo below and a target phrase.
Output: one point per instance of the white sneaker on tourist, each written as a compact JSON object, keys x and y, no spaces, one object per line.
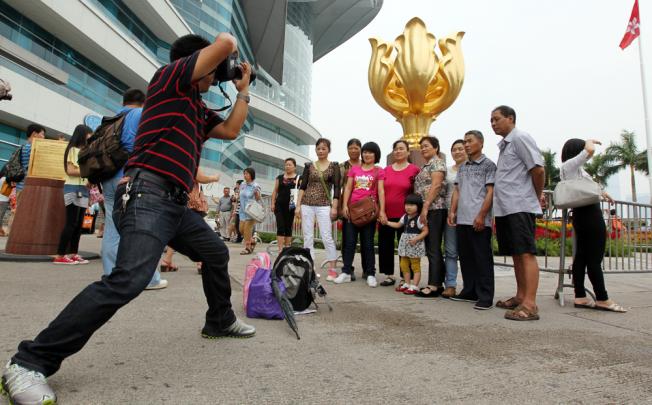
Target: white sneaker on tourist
{"x":371,"y":282}
{"x":332,"y":275}
{"x":24,"y":386}
{"x":161,"y":285}
{"x":342,"y":278}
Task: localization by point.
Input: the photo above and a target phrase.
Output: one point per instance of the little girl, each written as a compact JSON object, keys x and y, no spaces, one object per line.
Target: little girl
{"x":411,"y":247}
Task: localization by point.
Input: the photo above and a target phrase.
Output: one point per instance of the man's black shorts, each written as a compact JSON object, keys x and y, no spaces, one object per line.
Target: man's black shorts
{"x":515,"y":234}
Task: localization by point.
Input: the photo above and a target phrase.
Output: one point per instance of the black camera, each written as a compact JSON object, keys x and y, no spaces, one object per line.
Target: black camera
{"x":229,"y":70}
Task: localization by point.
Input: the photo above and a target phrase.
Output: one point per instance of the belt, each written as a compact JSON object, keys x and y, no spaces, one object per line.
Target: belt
{"x":173,"y":191}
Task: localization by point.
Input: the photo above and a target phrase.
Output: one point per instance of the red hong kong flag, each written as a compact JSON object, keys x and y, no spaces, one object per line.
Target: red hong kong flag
{"x":633,"y":27}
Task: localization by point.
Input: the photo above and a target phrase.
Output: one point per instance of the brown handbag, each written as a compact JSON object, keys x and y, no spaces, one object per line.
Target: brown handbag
{"x":197,"y":200}
{"x":365,"y":211}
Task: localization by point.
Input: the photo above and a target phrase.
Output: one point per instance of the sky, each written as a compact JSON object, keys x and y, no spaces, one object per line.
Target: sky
{"x":556,"y":62}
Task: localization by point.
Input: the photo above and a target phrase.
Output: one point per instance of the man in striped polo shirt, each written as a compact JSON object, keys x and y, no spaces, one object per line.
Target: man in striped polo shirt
{"x":150,"y":212}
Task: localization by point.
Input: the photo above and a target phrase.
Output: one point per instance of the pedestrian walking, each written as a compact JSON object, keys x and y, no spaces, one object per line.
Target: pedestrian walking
{"x":75,"y":196}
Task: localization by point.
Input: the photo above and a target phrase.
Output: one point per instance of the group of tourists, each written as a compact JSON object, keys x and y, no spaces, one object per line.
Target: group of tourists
{"x":442,"y":213}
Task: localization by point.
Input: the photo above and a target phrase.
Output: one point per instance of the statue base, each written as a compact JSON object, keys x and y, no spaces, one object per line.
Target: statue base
{"x":40,"y":218}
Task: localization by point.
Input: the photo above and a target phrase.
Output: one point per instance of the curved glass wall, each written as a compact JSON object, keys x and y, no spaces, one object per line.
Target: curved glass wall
{"x":85,"y":77}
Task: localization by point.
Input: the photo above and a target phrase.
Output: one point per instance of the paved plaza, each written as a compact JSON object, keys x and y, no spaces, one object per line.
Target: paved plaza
{"x":377,"y":346}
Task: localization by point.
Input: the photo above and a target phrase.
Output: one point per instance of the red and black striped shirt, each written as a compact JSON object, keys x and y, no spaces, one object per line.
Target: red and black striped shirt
{"x":174,"y":124}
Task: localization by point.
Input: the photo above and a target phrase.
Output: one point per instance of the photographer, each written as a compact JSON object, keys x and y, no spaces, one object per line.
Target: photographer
{"x":150,"y":212}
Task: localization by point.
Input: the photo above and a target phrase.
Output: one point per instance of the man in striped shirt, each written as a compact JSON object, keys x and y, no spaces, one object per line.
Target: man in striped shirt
{"x":150,"y":213}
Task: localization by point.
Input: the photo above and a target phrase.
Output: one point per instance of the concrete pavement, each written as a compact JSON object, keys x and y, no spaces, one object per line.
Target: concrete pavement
{"x":377,"y":346}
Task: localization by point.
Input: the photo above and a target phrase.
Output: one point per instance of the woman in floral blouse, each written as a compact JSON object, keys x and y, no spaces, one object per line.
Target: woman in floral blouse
{"x":430,"y":184}
{"x":318,"y":196}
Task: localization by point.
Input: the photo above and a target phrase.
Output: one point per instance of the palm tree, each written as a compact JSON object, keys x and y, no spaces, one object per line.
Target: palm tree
{"x":551,"y":169}
{"x":626,"y":155}
{"x":600,"y":169}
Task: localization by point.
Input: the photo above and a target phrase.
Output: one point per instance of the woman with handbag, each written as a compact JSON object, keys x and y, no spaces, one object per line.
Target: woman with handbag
{"x":590,"y":230}
{"x":318,"y":196}
{"x":284,"y":200}
{"x":430,"y":184}
{"x":75,"y":196}
{"x":249,"y":194}
{"x":5,"y":192}
{"x":399,"y":182}
{"x":363,"y":207}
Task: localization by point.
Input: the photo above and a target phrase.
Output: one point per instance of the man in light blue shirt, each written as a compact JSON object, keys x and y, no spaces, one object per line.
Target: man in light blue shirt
{"x":132,"y":102}
{"x":518,"y":194}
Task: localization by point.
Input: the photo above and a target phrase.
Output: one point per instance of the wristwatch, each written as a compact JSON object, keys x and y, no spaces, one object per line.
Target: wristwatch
{"x":244,"y":97}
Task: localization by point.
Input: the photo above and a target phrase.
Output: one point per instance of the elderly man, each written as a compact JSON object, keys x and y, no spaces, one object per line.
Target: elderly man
{"x":518,"y":196}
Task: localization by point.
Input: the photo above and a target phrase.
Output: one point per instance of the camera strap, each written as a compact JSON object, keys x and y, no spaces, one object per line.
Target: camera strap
{"x":226,"y":96}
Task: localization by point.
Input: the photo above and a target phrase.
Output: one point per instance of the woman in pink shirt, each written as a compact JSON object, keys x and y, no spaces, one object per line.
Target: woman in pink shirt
{"x":399,"y":181}
{"x":364,"y":180}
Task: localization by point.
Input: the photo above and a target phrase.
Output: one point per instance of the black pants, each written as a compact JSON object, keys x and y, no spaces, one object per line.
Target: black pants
{"x":237,"y":226}
{"x":151,"y":220}
{"x":284,"y":221}
{"x":367,"y":254}
{"x":71,"y":233}
{"x":386,"y":237}
{"x":591,"y":236}
{"x":436,"y":227}
{"x":476,"y":263}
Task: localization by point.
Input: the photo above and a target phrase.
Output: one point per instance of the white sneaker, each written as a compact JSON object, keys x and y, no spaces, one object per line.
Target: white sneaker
{"x":342,"y":278}
{"x":24,"y":386}
{"x":161,"y":285}
{"x":371,"y":282}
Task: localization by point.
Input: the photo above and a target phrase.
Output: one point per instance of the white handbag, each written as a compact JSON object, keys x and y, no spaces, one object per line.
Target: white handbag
{"x":578,"y":192}
{"x":255,"y":210}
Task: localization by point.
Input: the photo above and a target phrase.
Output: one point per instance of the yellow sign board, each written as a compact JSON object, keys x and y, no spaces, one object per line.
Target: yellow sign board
{"x":46,"y":159}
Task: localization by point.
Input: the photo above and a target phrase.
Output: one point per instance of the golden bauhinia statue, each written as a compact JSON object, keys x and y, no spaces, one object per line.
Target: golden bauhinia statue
{"x":408,"y":78}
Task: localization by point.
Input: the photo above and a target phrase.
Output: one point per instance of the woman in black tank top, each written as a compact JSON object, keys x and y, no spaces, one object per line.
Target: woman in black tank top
{"x":283,"y":203}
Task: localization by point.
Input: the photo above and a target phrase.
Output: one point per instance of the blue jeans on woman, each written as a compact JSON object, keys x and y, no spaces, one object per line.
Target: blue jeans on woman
{"x":350,"y":237}
{"x":450,"y":251}
{"x":153,"y":218}
{"x":111,"y":238}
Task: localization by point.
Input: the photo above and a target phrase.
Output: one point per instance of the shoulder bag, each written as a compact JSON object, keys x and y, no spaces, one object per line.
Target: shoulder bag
{"x":365,"y":210}
{"x":578,"y":192}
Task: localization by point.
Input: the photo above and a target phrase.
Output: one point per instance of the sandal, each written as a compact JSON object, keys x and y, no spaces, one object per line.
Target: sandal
{"x":167,"y":267}
{"x":427,"y":292}
{"x":511,"y":303}
{"x":521,"y":313}
{"x":613,"y":307}
{"x":388,"y":281}
{"x":247,"y":251}
{"x":587,"y":305}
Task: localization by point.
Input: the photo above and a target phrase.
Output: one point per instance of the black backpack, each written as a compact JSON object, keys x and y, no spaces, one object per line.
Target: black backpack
{"x":103,"y":154}
{"x":295,"y":267}
{"x":13,"y":170}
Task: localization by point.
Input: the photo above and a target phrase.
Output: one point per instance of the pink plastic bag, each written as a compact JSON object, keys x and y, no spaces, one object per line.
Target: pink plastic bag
{"x":261,"y":260}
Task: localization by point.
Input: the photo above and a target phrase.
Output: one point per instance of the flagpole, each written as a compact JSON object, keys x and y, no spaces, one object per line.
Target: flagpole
{"x":648,"y":134}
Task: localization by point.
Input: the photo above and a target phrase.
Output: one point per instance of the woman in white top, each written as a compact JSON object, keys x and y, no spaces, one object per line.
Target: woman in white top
{"x":590,"y":231}
{"x":450,"y":234}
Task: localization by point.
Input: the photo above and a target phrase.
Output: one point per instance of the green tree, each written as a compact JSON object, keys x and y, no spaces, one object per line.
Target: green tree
{"x":551,"y":169}
{"x":625,"y":155}
{"x":600,"y":169}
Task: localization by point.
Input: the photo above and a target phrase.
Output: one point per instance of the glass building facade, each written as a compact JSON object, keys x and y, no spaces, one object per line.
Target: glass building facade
{"x":93,"y":84}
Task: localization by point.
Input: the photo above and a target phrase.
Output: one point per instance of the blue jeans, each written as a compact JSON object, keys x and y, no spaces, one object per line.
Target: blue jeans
{"x":350,"y":237}
{"x":152,"y":219}
{"x":450,"y":251}
{"x":111,"y":238}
